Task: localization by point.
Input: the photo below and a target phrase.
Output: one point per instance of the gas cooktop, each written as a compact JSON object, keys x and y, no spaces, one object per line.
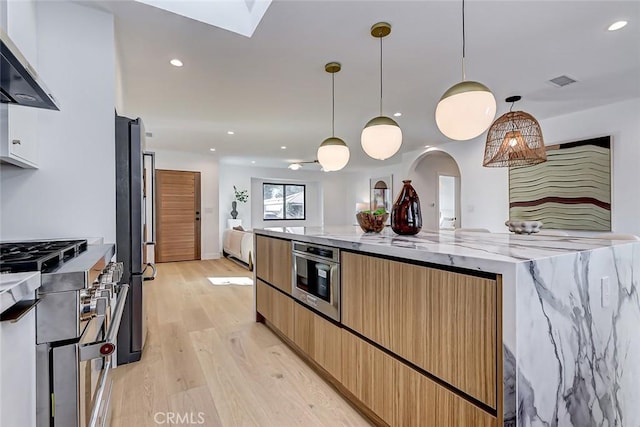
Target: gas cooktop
{"x":43,"y":256}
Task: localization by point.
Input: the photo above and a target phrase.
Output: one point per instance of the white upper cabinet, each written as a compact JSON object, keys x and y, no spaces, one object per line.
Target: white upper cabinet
{"x":20,"y":147}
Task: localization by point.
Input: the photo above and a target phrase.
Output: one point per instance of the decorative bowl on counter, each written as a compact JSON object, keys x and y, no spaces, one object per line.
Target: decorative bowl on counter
{"x":523,"y":227}
{"x":372,"y":222}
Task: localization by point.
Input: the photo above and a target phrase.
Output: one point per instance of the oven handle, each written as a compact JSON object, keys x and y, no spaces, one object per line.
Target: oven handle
{"x":98,"y":405}
{"x":316,"y":258}
{"x":108,"y":345}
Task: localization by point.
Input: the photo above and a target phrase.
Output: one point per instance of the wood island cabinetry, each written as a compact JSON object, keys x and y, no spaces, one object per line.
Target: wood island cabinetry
{"x":416,"y":346}
{"x":443,"y":322}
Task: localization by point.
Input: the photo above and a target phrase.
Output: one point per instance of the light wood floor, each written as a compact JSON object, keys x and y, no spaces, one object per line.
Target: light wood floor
{"x":206,"y":357}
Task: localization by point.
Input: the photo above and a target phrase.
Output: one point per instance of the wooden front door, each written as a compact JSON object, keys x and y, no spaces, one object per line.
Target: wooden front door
{"x":178,"y":215}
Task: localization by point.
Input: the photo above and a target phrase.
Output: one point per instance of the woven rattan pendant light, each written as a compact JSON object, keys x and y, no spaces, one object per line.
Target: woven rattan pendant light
{"x":333,"y":153}
{"x":514,"y":139}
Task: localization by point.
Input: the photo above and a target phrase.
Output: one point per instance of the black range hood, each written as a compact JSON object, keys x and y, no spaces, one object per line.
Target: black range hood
{"x":19,"y":82}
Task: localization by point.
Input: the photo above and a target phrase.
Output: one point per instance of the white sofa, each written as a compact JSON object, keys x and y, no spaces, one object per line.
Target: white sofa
{"x":238,"y":245}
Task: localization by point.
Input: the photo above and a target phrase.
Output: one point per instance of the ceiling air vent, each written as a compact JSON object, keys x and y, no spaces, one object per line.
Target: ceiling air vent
{"x":561,"y":81}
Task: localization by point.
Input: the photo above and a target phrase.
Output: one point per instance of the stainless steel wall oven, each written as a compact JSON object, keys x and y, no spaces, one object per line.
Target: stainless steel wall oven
{"x":316,"y":277}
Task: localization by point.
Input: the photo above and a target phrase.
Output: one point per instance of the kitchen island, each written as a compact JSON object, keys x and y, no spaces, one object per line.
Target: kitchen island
{"x":425,"y":312}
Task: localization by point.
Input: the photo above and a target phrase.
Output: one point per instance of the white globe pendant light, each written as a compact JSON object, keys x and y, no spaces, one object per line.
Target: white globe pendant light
{"x":466,"y":109}
{"x":381,"y":137}
{"x":333,"y":153}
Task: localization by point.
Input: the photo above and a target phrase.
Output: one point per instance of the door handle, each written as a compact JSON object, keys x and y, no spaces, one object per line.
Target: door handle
{"x":154,"y":271}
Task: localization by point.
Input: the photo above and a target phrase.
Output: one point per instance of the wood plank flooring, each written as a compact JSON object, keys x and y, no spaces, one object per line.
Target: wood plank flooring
{"x":205,"y":358}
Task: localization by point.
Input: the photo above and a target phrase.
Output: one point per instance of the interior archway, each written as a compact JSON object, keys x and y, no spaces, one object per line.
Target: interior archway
{"x":436,"y":177}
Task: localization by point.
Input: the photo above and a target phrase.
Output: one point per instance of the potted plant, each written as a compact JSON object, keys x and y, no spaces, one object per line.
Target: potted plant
{"x":240,"y":196}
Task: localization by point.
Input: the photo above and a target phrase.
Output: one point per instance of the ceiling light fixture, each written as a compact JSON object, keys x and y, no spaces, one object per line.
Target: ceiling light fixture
{"x":253,"y":161}
{"x":398,"y":114}
{"x":514,"y":139}
{"x":381,"y":137}
{"x":212,"y":149}
{"x":283,"y":147}
{"x":617,"y":25}
{"x":467,"y":108}
{"x":230,"y":132}
{"x":176,"y":62}
{"x":333,"y":153}
{"x":297,"y":165}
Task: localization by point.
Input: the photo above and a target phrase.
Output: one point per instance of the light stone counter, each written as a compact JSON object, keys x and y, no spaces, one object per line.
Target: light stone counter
{"x":571,"y":315}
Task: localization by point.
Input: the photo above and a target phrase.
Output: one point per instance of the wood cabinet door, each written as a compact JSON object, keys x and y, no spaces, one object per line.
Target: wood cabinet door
{"x":273,"y":262}
{"x":319,"y":339}
{"x":303,"y":329}
{"x":327,"y":346}
{"x":419,"y":401}
{"x":444,"y":322}
{"x":366,"y":293}
{"x":276,"y":308}
{"x":368,"y":374}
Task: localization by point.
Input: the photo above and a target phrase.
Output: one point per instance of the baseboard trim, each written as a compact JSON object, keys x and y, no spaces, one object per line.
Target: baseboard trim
{"x":211,"y":255}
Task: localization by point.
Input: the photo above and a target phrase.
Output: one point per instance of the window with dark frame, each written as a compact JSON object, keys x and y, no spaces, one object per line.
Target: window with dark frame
{"x":283,"y":202}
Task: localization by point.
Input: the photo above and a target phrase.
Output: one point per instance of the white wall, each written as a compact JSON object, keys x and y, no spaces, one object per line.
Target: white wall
{"x":209,"y":184}
{"x":326,"y":194}
{"x":73,"y":192}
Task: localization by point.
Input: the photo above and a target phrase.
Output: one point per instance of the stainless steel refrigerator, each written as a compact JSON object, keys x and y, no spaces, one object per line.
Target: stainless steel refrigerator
{"x":131,"y":239}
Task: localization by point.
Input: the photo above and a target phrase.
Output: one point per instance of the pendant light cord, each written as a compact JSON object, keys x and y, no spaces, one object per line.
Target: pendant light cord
{"x":333,"y":104}
{"x":381,"y":75}
{"x":464,"y":77}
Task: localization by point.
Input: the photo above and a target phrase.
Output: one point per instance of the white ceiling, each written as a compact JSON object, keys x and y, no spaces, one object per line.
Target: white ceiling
{"x":272,"y":90}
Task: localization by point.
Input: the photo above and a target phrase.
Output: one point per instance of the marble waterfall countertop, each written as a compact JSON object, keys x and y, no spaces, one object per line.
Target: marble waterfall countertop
{"x":491,"y":252}
{"x":570,"y":315}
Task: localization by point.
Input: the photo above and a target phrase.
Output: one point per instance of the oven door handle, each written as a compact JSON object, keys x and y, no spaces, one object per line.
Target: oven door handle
{"x":98,"y":417}
{"x":108,"y":345}
{"x":315,"y":258}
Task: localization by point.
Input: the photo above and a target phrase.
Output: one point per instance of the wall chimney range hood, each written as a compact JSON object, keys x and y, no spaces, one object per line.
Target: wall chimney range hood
{"x":19,"y":82}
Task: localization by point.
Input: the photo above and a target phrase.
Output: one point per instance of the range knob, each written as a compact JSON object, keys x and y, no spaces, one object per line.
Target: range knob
{"x":92,"y":304}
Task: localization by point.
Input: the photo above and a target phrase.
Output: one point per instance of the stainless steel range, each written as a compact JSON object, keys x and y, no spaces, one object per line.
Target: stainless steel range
{"x":77,"y":320}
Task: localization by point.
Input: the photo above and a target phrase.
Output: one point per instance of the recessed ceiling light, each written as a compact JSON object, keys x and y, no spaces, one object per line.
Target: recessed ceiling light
{"x":284,"y":147}
{"x":398,"y":114}
{"x":295,"y":166}
{"x":617,"y":25}
{"x":230,"y":132}
{"x":212,"y":149}
{"x":427,"y":146}
{"x":253,"y":161}
{"x":176,"y":62}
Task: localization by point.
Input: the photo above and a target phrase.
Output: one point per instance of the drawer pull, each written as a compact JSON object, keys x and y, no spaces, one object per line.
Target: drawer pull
{"x":16,"y":142}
